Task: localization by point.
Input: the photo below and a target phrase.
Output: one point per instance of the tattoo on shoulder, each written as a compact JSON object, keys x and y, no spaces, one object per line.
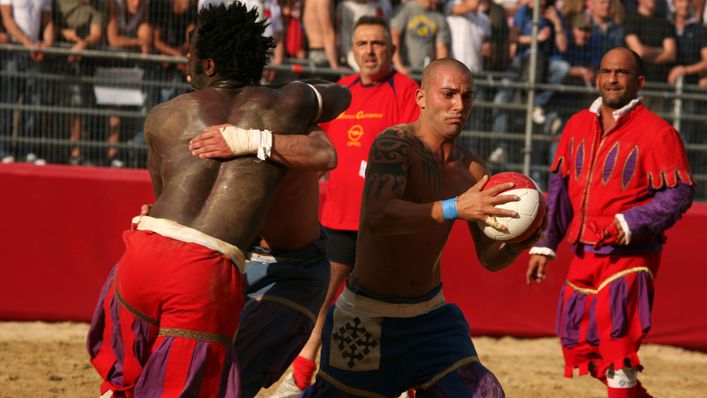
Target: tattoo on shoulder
{"x":388,"y":162}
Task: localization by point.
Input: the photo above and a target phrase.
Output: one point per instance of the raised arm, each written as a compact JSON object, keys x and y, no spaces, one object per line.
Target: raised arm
{"x":322,"y":100}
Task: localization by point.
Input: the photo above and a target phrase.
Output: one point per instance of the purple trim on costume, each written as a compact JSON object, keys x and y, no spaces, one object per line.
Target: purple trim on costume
{"x":630,"y":249}
{"x":559,"y":212}
{"x":629,"y":167}
{"x":610,"y":162}
{"x":94,"y":338}
{"x":572,"y":319}
{"x":579,"y":161}
{"x":618,"y":291}
{"x":656,"y":216}
{"x":199,"y":359}
{"x":153,"y":374}
{"x":116,"y":340}
{"x":592,"y":328}
{"x":645,"y":300}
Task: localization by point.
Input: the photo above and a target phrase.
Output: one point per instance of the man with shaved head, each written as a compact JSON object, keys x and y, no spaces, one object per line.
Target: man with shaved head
{"x":620,"y":179}
{"x":391,"y":330}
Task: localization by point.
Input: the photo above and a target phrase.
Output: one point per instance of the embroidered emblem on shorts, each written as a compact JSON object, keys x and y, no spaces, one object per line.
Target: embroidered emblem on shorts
{"x":355,"y":342}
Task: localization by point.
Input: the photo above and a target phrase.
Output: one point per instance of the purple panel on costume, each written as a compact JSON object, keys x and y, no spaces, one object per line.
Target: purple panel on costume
{"x":231,"y":379}
{"x":630,"y":166}
{"x":573,"y":314}
{"x":618,"y":291}
{"x":199,"y":359}
{"x":579,"y":161}
{"x":479,"y":382}
{"x":141,"y":345}
{"x":152,"y":378}
{"x":94,"y":339}
{"x":610,"y":162}
{"x":560,"y":306}
{"x":116,"y":340}
{"x":645,"y":301}
{"x":592,"y":328}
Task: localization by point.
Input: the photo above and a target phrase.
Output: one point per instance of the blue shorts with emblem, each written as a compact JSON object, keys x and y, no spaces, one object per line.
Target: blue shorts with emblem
{"x":375,"y":348}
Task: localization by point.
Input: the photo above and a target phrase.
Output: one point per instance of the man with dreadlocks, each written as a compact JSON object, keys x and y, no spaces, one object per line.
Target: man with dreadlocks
{"x":168,"y":314}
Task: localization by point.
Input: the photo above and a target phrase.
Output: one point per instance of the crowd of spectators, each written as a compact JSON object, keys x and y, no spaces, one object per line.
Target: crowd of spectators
{"x":487,"y":35}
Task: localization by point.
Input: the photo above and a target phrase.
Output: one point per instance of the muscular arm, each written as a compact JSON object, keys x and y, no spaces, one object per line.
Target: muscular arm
{"x":313,"y":151}
{"x":384,"y":207}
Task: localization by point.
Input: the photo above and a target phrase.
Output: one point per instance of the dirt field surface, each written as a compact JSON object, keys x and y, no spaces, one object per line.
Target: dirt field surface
{"x":49,"y":360}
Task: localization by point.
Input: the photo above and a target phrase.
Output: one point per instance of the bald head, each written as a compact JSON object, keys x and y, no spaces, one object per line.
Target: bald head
{"x":442,"y":65}
{"x":626,"y":57}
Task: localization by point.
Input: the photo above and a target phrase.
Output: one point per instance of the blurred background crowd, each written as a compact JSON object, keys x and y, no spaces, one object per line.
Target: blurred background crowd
{"x":78,"y":76}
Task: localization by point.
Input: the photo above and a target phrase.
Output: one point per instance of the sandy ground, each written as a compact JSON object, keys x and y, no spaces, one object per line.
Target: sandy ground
{"x":49,"y":360}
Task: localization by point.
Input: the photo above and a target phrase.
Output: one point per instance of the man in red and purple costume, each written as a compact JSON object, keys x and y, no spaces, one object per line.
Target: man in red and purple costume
{"x":620,"y":179}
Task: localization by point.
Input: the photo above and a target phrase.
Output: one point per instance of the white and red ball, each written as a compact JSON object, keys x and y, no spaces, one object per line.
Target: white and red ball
{"x":530,"y":208}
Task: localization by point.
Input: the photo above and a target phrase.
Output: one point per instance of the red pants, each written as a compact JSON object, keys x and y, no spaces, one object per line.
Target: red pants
{"x":166,"y":319}
{"x":605,"y":311}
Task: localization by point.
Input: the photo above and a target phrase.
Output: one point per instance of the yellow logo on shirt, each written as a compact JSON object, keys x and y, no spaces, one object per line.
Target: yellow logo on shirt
{"x":355,"y":133}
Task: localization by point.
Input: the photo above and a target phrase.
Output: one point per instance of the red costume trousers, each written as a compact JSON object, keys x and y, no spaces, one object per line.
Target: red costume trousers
{"x":166,"y":319}
{"x":604,"y":310}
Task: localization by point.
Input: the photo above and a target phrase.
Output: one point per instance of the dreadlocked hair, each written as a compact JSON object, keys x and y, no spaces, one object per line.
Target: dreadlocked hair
{"x":233,"y":38}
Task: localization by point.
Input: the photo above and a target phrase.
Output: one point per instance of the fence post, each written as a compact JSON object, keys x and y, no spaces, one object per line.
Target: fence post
{"x":677,"y":104}
{"x":528,"y":145}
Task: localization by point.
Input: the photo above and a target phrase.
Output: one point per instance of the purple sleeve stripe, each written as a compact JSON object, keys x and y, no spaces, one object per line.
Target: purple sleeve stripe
{"x":661,"y":213}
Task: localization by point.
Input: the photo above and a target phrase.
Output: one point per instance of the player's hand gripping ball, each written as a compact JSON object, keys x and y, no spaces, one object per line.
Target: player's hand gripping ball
{"x":530,"y":208}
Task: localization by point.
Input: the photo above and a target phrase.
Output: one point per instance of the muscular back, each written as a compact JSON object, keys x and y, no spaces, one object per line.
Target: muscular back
{"x":225,"y":199}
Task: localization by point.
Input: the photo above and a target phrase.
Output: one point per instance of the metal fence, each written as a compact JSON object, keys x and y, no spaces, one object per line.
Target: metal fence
{"x":91,"y":112}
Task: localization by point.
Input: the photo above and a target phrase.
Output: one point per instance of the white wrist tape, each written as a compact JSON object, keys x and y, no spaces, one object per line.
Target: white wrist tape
{"x":248,"y":141}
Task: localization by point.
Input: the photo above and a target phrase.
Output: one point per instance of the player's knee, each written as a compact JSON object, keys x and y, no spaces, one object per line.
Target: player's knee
{"x":622,"y":378}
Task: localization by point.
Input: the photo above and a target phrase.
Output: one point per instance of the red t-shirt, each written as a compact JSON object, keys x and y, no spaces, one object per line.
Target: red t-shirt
{"x":373,"y":109}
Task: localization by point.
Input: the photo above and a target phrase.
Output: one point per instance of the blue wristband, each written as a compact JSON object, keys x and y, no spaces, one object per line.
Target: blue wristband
{"x":449,"y":209}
